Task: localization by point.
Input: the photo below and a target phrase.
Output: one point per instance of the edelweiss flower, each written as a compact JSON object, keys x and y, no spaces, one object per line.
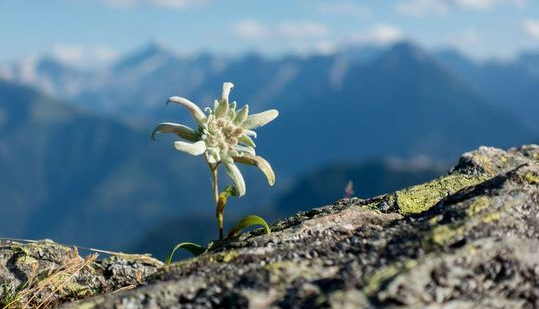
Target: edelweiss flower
{"x":223,"y":136}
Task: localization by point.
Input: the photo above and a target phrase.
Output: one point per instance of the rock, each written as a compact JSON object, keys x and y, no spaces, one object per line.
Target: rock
{"x":469,"y":239}
{"x":44,"y":273}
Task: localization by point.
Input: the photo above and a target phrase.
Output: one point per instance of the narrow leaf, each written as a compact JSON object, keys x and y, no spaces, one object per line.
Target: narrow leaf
{"x":178,"y":129}
{"x":247,"y":222}
{"x":192,"y":248}
{"x":223,"y":196}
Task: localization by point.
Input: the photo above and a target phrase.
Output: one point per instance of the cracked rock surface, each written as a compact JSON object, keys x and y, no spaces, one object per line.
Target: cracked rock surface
{"x":469,"y":239}
{"x":44,"y":274}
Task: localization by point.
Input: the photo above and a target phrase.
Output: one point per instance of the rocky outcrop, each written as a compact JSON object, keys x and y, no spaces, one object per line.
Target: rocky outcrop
{"x":44,"y":274}
{"x":469,"y":239}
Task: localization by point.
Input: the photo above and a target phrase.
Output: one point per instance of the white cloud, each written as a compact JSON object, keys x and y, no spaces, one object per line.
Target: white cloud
{"x":423,"y":7}
{"x":475,"y":4}
{"x":348,"y":8}
{"x":325,"y":47}
{"x":379,"y":34}
{"x":255,"y":30}
{"x":443,"y":7}
{"x":83,"y":55}
{"x":468,"y":38}
{"x":250,"y":29}
{"x":172,"y":4}
{"x":301,"y":29}
{"x":487,"y":4}
{"x":531,"y":28}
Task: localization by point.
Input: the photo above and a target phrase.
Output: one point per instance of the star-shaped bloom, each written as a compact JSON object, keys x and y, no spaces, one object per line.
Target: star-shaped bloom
{"x":224,"y":135}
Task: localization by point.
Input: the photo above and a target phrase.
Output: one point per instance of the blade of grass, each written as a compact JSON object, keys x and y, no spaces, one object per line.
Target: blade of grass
{"x":192,"y":248}
{"x":247,"y":222}
{"x":32,"y":241}
{"x":86,"y":262}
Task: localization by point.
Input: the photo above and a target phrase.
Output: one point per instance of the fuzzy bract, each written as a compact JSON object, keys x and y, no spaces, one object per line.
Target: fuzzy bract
{"x":224,"y":135}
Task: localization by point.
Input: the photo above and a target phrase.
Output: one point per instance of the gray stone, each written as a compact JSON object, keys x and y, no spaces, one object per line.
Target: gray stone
{"x":469,"y":239}
{"x":45,"y":273}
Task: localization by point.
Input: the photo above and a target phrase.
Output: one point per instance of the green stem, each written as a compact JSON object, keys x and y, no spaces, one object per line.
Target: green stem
{"x":220,"y":224}
{"x":218,"y":211}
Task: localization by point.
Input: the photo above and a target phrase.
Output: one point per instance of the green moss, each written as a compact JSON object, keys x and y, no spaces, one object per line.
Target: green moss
{"x":491,"y":217}
{"x":445,"y":234}
{"x":378,"y":278}
{"x":137,"y":258}
{"x":477,"y":206}
{"x":87,"y":305}
{"x":40,"y":249}
{"x":348,"y":298}
{"x":70,"y":287}
{"x":419,"y":198}
{"x":284,"y":273}
{"x":485,"y":162}
{"x":226,"y":257}
{"x":531,"y":178}
{"x":26,"y":259}
{"x":435,"y":219}
{"x":373,"y":205}
{"x":90,"y":304}
{"x":19,"y":249}
{"x":230,"y":256}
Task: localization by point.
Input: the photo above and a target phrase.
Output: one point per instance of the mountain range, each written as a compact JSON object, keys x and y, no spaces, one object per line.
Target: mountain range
{"x":78,"y":165}
{"x":322,"y":186}
{"x":366,"y":88}
{"x":79,"y":177}
{"x":513,"y":85}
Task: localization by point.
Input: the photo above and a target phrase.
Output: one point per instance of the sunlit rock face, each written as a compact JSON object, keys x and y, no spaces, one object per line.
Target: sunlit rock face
{"x":465,"y":240}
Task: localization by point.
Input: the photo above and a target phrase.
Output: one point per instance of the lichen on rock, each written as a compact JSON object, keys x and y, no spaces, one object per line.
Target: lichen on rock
{"x":44,"y":273}
{"x":467,"y":239}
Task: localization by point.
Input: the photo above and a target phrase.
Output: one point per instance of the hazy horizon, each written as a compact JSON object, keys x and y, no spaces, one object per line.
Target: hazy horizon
{"x":93,"y":32}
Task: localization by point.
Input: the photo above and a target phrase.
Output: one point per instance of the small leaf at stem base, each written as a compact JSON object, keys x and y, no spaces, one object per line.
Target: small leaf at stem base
{"x":246,"y":222}
{"x":223,"y":196}
{"x":193,"y":248}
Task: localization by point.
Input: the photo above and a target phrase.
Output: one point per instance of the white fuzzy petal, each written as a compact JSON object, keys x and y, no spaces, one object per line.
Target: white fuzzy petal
{"x":245,"y":149}
{"x":241,"y":115}
{"x":235,"y":174}
{"x":259,"y":162}
{"x":178,"y":129}
{"x":244,"y":139}
{"x":231,"y":114}
{"x":194,"y":149}
{"x":222,"y":109}
{"x":227,"y":86}
{"x":257,"y":120}
{"x":249,"y":133}
{"x":196,"y":112}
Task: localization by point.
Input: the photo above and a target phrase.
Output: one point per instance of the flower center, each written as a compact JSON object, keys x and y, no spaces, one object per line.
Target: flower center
{"x":222,"y":134}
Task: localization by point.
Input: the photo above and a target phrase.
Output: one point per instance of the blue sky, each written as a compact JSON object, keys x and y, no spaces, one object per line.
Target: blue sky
{"x":88,"y":31}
